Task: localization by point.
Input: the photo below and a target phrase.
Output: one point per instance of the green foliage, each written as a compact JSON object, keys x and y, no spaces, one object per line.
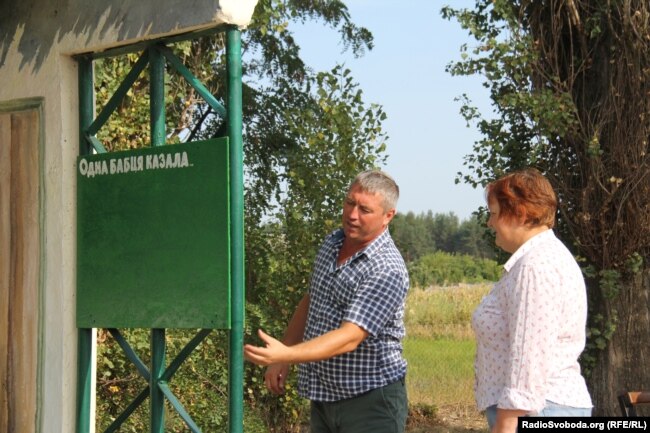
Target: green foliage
{"x":634,"y":263}
{"x":118,"y":134}
{"x":609,"y":282}
{"x":599,"y":334}
{"x":442,"y":268}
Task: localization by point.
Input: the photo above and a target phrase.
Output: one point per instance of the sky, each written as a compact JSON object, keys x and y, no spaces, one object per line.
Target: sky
{"x":405,"y":74}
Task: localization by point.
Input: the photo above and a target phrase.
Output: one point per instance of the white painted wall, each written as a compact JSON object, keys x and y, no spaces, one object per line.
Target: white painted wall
{"x":37,"y":38}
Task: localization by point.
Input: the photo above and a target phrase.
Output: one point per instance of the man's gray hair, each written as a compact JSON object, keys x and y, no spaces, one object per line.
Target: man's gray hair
{"x":378,"y":182}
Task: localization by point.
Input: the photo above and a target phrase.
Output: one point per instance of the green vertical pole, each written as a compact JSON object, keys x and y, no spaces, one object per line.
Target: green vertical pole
{"x":234,"y":108}
{"x":157,"y":108}
{"x":157,"y":398}
{"x":157,"y":96}
{"x":84,"y":335}
{"x":84,"y":378}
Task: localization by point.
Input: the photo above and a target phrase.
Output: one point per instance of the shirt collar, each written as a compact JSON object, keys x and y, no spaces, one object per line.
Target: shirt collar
{"x":371,"y":249}
{"x":377,"y":244}
{"x":527,"y":246}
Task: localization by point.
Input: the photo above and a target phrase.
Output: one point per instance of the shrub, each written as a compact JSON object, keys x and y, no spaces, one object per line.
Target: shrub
{"x":442,"y":268}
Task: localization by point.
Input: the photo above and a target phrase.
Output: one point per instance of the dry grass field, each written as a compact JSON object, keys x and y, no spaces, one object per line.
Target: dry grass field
{"x":440,"y":350}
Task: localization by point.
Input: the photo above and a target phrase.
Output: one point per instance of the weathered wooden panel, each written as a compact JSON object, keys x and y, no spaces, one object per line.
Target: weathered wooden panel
{"x":21,"y":269}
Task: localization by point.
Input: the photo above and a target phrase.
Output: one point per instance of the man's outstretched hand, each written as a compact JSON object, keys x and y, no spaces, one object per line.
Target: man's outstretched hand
{"x":271,"y":354}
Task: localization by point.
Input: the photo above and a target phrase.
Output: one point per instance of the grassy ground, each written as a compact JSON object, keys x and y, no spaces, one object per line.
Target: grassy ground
{"x":440,"y":351}
{"x":440,"y":371}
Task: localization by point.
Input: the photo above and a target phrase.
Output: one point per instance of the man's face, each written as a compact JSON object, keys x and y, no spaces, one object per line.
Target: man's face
{"x":364,"y":217}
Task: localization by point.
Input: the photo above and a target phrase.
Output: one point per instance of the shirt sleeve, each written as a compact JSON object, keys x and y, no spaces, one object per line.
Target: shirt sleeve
{"x":534,"y":318}
{"x":377,"y":299}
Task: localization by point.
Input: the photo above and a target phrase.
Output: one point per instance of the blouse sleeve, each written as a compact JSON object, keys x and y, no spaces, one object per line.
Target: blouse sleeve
{"x":533,"y":317}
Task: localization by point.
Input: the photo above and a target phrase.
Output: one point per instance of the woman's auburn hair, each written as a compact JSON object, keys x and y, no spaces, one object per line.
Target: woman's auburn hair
{"x":524,"y":194}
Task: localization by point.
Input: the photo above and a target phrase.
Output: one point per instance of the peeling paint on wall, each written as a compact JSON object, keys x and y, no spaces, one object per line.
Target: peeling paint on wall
{"x":74,"y":24}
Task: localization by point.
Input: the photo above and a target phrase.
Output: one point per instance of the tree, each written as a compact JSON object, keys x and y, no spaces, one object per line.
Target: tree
{"x":569,"y":81}
{"x":444,"y":227}
{"x":472,"y":239}
{"x":411,"y":235}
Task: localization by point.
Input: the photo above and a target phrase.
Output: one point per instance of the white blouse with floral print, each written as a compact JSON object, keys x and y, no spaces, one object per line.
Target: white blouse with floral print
{"x":530,"y":331}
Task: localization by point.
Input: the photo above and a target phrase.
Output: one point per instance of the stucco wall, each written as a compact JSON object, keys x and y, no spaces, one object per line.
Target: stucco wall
{"x":36,"y":28}
{"x":37,"y":39}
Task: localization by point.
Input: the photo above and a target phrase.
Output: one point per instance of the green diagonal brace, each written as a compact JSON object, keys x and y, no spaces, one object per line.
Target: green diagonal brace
{"x":128,"y":411}
{"x":130,"y":353}
{"x":178,"y":406}
{"x":97,"y":145}
{"x":192,"y":80}
{"x":119,"y":94}
{"x":182,"y":356}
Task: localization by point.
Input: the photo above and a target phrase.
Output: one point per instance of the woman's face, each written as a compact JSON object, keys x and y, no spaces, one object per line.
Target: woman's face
{"x":507,"y":231}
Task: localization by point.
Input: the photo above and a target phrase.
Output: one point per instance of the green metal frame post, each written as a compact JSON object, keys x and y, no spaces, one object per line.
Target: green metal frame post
{"x":158,"y":349}
{"x":157,"y":97}
{"x":157,"y":397}
{"x":234,"y":107}
{"x":84,"y":335}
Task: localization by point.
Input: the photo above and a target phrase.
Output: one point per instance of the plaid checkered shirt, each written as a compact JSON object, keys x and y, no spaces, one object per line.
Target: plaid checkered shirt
{"x":368,"y":290}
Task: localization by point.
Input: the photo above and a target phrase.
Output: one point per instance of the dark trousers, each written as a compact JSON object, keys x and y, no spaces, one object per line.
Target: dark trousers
{"x":382,"y":410}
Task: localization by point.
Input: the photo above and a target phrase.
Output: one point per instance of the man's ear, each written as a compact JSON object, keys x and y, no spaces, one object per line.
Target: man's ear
{"x":389,"y":216}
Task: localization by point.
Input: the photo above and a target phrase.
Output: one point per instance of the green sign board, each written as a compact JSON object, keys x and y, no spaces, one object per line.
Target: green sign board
{"x":153,"y":246}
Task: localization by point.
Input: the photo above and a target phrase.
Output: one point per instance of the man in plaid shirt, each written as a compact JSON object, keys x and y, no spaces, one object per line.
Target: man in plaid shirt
{"x":347,"y":330}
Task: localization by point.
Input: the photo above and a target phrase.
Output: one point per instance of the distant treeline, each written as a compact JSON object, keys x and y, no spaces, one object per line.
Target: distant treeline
{"x":425,"y":233}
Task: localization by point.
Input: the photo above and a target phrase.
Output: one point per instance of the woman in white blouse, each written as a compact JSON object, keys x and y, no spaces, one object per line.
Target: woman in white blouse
{"x":530,"y":328}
